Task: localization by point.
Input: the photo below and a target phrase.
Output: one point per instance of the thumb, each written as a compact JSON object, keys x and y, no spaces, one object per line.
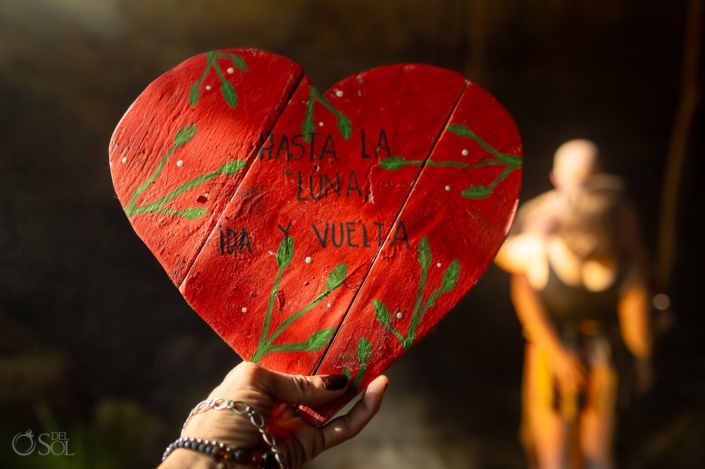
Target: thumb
{"x":301,"y":390}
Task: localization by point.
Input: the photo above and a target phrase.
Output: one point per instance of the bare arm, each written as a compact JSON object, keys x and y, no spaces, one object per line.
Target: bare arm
{"x":634,"y":322}
{"x":532,"y":314}
{"x":570,"y":373}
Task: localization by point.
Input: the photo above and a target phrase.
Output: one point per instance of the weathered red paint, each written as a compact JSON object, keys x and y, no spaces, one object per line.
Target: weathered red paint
{"x":469,"y":230}
{"x":147,"y":131}
{"x":252,"y":208}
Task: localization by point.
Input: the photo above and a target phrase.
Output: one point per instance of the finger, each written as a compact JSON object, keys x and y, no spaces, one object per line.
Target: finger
{"x":345,"y":427}
{"x":297,"y":389}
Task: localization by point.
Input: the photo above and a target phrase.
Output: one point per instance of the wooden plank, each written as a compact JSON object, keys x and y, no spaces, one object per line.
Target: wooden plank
{"x":456,"y":218}
{"x":185,"y":144}
{"x":333,"y":243}
{"x":279,"y":303}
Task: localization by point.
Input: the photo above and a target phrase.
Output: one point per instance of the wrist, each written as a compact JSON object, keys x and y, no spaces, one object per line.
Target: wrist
{"x":181,"y":458}
{"x":233,"y":430}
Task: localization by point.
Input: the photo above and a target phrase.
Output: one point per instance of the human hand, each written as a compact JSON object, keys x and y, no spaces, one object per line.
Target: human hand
{"x":275,"y":396}
{"x":569,"y":372}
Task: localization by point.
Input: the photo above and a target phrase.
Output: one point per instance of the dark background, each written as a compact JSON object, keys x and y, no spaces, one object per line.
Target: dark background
{"x":96,"y":341}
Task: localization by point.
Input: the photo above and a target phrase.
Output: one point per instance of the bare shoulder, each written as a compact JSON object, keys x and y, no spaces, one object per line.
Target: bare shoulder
{"x":537,"y":214}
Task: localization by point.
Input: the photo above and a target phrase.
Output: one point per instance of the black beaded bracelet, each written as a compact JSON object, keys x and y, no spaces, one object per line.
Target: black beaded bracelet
{"x":221,"y":452}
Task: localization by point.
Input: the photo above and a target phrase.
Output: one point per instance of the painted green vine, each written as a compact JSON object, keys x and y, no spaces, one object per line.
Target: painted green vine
{"x":308,"y":126}
{"x":511,"y":163}
{"x":364,"y":350}
{"x":182,"y":137}
{"x":226,"y":88}
{"x":449,"y":282}
{"x":318,"y":340}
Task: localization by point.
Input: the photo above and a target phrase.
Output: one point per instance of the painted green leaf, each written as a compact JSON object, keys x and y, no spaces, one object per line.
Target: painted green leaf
{"x":477,"y":192}
{"x":307,"y":128}
{"x":281,"y":348}
{"x":183,"y":136}
{"x":319,"y":340}
{"x":194,"y":93}
{"x":393,"y":162}
{"x":460,"y":129}
{"x":285,"y":252}
{"x":337,"y":276}
{"x":351,"y":389}
{"x":425,"y":255}
{"x":381,"y":312}
{"x":239,"y":62}
{"x":228,"y":92}
{"x":451,"y":275}
{"x":364,"y":350}
{"x":193,"y":213}
{"x":232,"y":167}
{"x":344,"y":125}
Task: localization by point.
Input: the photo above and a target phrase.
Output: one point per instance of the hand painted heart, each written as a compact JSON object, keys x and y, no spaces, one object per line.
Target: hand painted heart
{"x":318,"y":232}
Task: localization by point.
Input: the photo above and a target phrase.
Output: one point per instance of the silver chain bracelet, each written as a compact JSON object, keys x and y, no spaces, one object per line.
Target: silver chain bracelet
{"x":240,"y":408}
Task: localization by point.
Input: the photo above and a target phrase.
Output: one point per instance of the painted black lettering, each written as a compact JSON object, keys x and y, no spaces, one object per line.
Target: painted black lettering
{"x":298,"y":192}
{"x":283,"y":145}
{"x":325,"y":236}
{"x":405,"y":238}
{"x":293,"y":143}
{"x":382,"y":136}
{"x":320,"y":187}
{"x":336,"y":188}
{"x":313,"y":138}
{"x":356,"y":187}
{"x":364,"y":155}
{"x":347,"y":228}
{"x":342,"y":235}
{"x":222,"y":242}
{"x":284,"y":230}
{"x":364,"y":237}
{"x":228,"y":234}
{"x":286,"y":234}
{"x":268,"y":148}
{"x":245,"y":241}
{"x":325,"y":150}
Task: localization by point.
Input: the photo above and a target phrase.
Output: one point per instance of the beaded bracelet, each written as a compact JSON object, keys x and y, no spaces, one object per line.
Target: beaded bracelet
{"x":221,"y":452}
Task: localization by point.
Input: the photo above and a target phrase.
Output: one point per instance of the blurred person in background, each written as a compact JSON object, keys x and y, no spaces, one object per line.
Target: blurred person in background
{"x":579,"y":289}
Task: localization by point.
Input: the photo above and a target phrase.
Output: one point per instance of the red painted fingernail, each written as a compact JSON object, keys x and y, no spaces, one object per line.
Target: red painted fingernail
{"x":335,"y":382}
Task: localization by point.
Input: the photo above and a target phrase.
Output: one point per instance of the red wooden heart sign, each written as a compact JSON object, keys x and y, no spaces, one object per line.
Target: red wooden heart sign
{"x":318,"y":233}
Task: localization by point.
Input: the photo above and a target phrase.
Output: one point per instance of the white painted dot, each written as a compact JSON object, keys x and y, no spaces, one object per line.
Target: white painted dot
{"x":244,"y":310}
{"x":438,"y":265}
{"x":399,"y":315}
{"x":231,"y":70}
{"x":179,"y":163}
{"x":329,"y":305}
{"x":124,"y":160}
{"x":309,"y":260}
{"x":339,"y":94}
{"x":465,"y":153}
{"x":447,"y":188}
{"x":320,"y":124}
{"x":207,"y":196}
{"x":208,"y":87}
